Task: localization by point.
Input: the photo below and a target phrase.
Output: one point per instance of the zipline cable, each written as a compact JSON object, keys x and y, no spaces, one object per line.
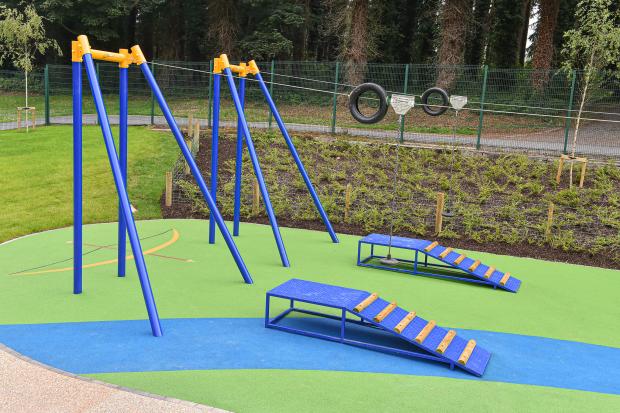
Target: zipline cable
{"x":331,"y":92}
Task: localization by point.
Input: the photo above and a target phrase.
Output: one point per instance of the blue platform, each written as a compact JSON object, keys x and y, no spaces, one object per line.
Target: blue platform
{"x":380,"y":334}
{"x":419,"y":264}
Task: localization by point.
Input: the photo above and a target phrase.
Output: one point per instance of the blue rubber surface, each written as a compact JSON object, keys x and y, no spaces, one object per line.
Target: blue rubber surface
{"x":349,"y":298}
{"x":241,"y":343}
{"x":513,"y":284}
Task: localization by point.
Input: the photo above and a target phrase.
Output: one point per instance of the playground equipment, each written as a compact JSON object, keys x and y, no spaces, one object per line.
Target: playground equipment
{"x":453,"y":264}
{"x":222,"y":66}
{"x":457,"y":103}
{"x":83,"y":56}
{"x":376,"y":318}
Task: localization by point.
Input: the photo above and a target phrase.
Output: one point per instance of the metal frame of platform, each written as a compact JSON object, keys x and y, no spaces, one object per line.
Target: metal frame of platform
{"x":289,"y":291}
{"x":420,"y":264}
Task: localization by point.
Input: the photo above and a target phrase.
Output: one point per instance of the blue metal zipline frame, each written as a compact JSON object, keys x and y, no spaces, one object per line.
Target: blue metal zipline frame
{"x":243,"y":135}
{"x":118,"y":166}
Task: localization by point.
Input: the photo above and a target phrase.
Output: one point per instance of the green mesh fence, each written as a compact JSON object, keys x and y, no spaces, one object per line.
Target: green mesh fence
{"x":508,"y":109}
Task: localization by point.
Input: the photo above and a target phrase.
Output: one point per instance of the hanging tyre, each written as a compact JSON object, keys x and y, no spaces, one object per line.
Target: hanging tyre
{"x":436,"y":109}
{"x":354,"y":99}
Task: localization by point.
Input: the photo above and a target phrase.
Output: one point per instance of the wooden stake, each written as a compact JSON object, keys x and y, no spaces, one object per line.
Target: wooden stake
{"x":560,"y":167}
{"x":441,"y":198}
{"x":189,"y":145}
{"x":549,"y":219}
{"x":255,"y":197}
{"x":168,"y":189}
{"x":584,"y":165}
{"x":197,"y":130}
{"x":347,"y":201}
{"x":190,"y":121}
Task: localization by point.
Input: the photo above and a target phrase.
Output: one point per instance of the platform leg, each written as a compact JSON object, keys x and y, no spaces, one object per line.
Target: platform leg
{"x":267,"y":299}
{"x":343,"y":323}
{"x":415,"y":262}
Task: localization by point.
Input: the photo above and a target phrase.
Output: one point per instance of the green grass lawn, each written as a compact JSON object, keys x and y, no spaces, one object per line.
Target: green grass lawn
{"x":37,"y":177}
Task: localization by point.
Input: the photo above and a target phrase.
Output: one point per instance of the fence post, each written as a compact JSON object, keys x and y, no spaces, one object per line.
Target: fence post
{"x":152,"y":96}
{"x":402,"y":118}
{"x":273,"y":68}
{"x":335,"y":99}
{"x":569,"y":112}
{"x":210,"y":91}
{"x":485,"y":76}
{"x":46,"y":80}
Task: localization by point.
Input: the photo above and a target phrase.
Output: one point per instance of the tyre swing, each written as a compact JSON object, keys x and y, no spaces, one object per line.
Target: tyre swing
{"x":401,"y":105}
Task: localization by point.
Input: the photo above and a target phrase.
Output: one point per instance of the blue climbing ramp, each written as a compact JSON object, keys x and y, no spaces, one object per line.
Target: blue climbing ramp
{"x":421,"y":338}
{"x":451,"y":263}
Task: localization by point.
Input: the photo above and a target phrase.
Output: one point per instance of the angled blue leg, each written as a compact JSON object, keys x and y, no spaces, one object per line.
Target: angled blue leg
{"x":122,"y":159}
{"x":77,"y":177}
{"x":178,"y":136}
{"x":300,"y":165}
{"x":215,"y":130}
{"x":122,"y":194}
{"x":257,"y":169}
{"x":239,"y":162}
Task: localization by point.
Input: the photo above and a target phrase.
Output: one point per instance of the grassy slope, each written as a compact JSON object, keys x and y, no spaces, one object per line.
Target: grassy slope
{"x":37,"y":177}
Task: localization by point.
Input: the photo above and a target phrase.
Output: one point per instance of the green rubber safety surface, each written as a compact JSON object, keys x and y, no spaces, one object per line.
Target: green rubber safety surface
{"x":272,"y":391}
{"x":192,"y":278}
{"x":556,"y":300}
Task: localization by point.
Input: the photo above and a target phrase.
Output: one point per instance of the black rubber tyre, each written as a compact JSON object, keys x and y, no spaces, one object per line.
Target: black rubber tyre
{"x":435,"y":111}
{"x":354,"y":103}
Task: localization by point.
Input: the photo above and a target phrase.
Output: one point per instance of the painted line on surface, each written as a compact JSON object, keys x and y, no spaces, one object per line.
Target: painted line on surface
{"x":175,"y":237}
{"x":244,"y":343}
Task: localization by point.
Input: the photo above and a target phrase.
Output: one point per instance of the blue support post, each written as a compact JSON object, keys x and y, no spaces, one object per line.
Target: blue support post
{"x":134,"y":240}
{"x":196,"y":173}
{"x":239,"y":162}
{"x":257,"y":169}
{"x":77,"y":177}
{"x":300,"y":165}
{"x":215,"y":130}
{"x":122,"y":159}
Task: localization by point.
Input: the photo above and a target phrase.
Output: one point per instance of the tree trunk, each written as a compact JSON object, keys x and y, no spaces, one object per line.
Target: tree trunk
{"x":526,"y":12}
{"x":455,"y":17}
{"x":223,"y":24}
{"x":544,"y":45}
{"x":356,"y":41}
{"x":479,"y":31}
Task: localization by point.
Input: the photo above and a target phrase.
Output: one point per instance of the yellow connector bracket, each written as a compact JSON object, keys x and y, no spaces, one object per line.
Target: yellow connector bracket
{"x":76,"y":51}
{"x":84,"y":44}
{"x":252,"y":68}
{"x":124,"y":58}
{"x":137,"y":55}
